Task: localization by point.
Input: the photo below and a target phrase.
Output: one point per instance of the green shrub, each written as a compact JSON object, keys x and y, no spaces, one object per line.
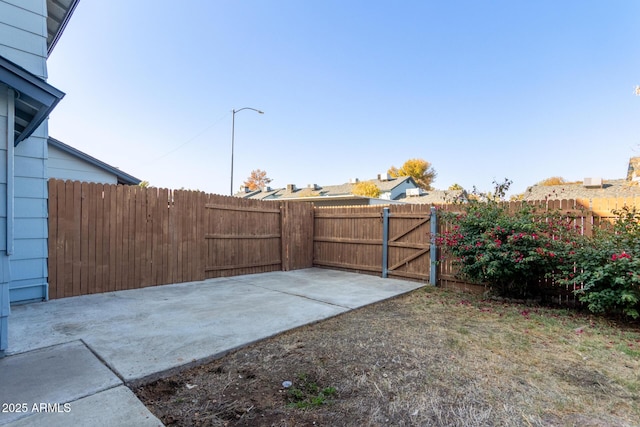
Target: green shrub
{"x":606,"y":270}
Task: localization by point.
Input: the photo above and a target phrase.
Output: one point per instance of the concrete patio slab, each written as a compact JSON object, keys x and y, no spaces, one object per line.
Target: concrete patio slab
{"x":110,"y":408}
{"x":53,"y":375}
{"x":145,"y":333}
{"x":361,"y":290}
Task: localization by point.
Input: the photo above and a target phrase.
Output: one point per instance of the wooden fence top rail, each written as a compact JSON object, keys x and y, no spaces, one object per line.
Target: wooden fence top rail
{"x":347,"y":215}
{"x":348,"y":240}
{"x":240,"y":208}
{"x":425,"y":215}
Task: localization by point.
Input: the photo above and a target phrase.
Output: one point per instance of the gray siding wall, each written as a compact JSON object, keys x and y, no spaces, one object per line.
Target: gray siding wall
{"x":23,"y":40}
{"x":3,"y":168}
{"x":401,"y":189}
{"x":62,"y":165}
{"x":23,"y":34}
{"x":29,"y":259}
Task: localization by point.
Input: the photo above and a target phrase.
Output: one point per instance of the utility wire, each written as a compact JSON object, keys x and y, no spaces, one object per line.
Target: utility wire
{"x":190,"y":139}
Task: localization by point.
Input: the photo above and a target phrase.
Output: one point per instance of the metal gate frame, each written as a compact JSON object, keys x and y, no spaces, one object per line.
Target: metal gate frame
{"x":432,"y":249}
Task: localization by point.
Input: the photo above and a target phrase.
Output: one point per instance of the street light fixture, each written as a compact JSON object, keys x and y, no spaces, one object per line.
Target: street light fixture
{"x":233,"y":131}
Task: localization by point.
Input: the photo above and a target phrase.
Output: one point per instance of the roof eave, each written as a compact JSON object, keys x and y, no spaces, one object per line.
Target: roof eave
{"x":56,"y":23}
{"x":123,"y":177}
{"x":32,"y":93}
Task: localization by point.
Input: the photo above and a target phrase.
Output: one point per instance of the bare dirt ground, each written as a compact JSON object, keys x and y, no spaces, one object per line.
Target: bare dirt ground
{"x":431,"y":357}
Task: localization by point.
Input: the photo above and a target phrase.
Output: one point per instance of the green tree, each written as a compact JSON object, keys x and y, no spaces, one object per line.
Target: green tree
{"x":420,"y":170}
{"x":367,"y":189}
{"x":144,"y":184}
{"x":456,"y":187}
{"x":258,"y":179}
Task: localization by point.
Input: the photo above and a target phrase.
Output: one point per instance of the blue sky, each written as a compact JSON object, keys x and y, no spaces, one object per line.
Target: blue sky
{"x":481,"y":89}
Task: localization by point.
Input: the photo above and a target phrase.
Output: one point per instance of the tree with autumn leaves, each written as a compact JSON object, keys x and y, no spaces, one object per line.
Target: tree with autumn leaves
{"x":420,"y":170}
{"x":258,"y":179}
{"x":367,"y":189}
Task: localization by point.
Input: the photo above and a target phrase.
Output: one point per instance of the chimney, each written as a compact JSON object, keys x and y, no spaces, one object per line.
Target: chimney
{"x":353,"y":180}
{"x":267,"y":188}
{"x":313,"y":187}
{"x":592,"y":182}
{"x":291,"y":188}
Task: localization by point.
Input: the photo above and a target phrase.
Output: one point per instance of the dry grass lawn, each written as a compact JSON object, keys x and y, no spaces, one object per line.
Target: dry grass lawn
{"x":431,"y":357}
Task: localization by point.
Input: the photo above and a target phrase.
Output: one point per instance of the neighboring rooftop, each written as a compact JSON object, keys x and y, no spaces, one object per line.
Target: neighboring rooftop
{"x":121,"y":176}
{"x":390,"y":189}
{"x":578,"y":190}
{"x":591,"y":187}
{"x":436,"y":197}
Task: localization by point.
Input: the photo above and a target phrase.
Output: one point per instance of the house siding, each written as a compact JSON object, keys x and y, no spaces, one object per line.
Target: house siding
{"x":400,"y":189}
{"x":29,"y":269}
{"x":23,"y":34}
{"x":4,"y":259}
{"x":23,"y":40}
{"x":62,"y":165}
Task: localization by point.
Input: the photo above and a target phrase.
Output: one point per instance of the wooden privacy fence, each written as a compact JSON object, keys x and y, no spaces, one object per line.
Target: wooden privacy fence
{"x":390,"y":241}
{"x":352,"y":238}
{"x":107,"y":238}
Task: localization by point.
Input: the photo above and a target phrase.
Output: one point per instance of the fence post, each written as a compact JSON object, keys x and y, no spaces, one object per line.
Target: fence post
{"x":433,"y":251}
{"x":385,"y":242}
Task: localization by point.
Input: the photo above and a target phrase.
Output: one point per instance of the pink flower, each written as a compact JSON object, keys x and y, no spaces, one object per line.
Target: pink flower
{"x":616,"y":257}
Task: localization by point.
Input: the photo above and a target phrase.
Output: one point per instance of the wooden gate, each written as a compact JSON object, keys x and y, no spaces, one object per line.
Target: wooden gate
{"x":394,"y":241}
{"x":409,"y":242}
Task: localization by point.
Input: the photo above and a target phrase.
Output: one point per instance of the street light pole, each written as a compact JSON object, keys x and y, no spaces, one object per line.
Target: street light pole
{"x":233,"y":131}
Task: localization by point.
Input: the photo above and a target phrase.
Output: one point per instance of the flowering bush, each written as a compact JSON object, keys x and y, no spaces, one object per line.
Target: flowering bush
{"x":513,"y":252}
{"x":607,"y":269}
{"x":519,"y":253}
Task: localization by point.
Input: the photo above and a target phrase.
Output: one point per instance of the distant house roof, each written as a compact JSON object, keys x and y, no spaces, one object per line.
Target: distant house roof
{"x":609,"y":188}
{"x":34,"y":99}
{"x":58,"y":14}
{"x":122,"y":177}
{"x":318,"y":193}
{"x":436,"y":197}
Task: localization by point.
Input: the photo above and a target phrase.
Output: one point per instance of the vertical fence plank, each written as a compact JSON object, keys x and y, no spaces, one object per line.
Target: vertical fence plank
{"x":84,"y":232}
{"x":68,"y":241}
{"x":106,"y":233}
{"x":77,"y":238}
{"x":125,"y":209}
{"x":150,"y":202}
{"x":164,"y":209}
{"x":118,"y":247}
